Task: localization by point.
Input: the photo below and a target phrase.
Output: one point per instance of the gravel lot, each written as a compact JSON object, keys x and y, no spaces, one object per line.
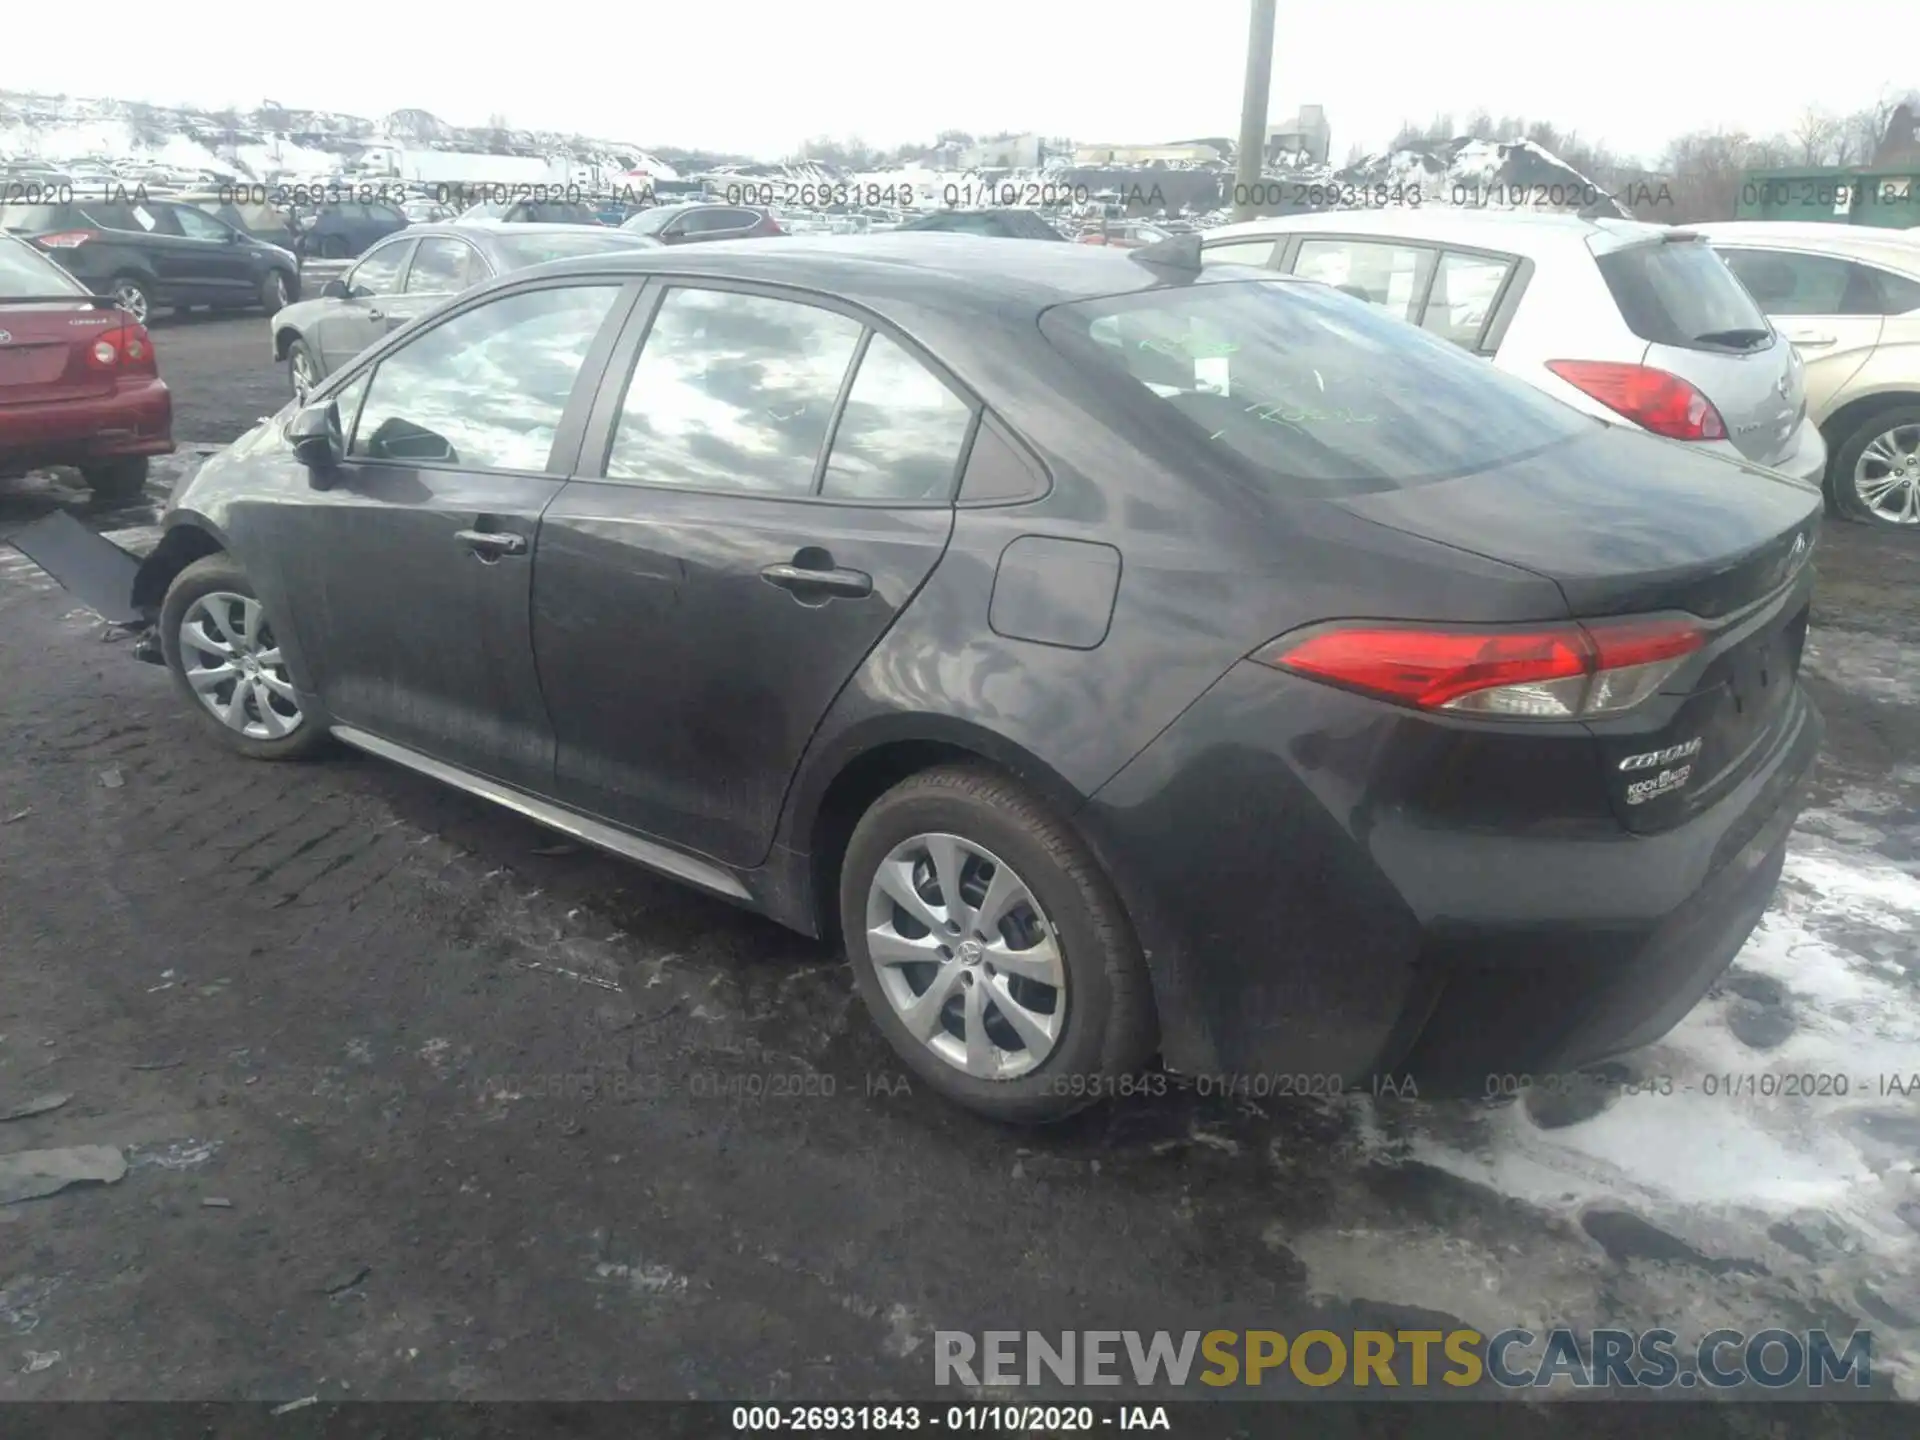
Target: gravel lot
{"x":469,"y":1098}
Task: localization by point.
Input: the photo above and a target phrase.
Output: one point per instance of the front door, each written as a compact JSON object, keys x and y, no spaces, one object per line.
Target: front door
{"x":409,"y":580}
{"x":351,"y":325}
{"x":764,"y":510}
{"x":1828,"y":307}
{"x":225,"y":263}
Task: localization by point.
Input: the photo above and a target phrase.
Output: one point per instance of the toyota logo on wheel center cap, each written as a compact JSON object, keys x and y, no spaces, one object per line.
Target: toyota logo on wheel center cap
{"x":970,"y":952}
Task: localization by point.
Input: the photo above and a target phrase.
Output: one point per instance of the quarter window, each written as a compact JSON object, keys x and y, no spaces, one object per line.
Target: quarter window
{"x":901,"y":434}
{"x":732,"y":392}
{"x":1388,"y":277}
{"x":196,"y":226}
{"x":486,"y":389}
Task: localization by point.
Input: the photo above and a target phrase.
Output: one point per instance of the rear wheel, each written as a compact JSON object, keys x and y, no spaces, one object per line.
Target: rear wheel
{"x":122,"y":479}
{"x":991,"y":949}
{"x":1874,"y":477}
{"x":220,"y":645}
{"x":131,"y":294}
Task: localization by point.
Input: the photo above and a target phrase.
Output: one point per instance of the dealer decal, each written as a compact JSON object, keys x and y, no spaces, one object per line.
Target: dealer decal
{"x":1667,"y":781}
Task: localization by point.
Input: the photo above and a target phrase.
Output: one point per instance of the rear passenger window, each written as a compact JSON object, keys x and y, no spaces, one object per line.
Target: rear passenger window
{"x":1388,"y":277}
{"x":1464,"y":289}
{"x":732,"y":392}
{"x":1898,"y":294}
{"x":487,"y":389}
{"x":900,"y":437}
{"x":440,"y":266}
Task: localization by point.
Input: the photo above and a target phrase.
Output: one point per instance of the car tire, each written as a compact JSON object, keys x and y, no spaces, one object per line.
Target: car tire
{"x":133,"y":295}
{"x":333,"y":247}
{"x":1101,"y":1015}
{"x":123,"y":479}
{"x":1897,"y":426}
{"x":300,"y":362}
{"x":216,"y":586}
{"x":276,"y":292}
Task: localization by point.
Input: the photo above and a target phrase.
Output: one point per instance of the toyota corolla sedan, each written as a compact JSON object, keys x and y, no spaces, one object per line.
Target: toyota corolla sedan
{"x":1116,"y":657}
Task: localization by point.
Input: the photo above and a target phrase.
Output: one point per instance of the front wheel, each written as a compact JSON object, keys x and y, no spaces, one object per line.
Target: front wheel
{"x":991,"y":949}
{"x":220,"y":645}
{"x":1874,"y":477}
{"x":303,"y":372}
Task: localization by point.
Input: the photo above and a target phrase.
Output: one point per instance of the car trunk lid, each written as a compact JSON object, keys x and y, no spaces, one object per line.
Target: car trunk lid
{"x":44,"y":355}
{"x":1627,"y":525}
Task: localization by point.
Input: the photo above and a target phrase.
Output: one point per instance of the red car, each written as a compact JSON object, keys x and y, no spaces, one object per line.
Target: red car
{"x":78,"y":382}
{"x":1125,"y":235}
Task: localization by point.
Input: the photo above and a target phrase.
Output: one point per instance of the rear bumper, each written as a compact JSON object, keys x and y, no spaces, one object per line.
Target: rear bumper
{"x":136,"y":419}
{"x":1302,"y":918}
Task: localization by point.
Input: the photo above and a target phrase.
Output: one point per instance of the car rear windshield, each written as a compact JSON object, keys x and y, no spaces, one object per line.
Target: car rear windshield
{"x":1310,"y":392}
{"x":25,"y":273}
{"x":650,"y":222}
{"x":1680,"y":292}
{"x":524,"y":250}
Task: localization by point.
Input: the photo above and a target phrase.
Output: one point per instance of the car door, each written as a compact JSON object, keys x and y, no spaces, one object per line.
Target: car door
{"x":441,"y":268}
{"x":762,"y":490}
{"x":354,"y":322}
{"x":224,"y":261}
{"x":1828,"y":307}
{"x":409,"y":576}
{"x":180,"y":270}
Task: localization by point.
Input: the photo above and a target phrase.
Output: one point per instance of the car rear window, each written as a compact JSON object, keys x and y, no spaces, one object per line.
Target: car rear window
{"x":524,"y":250}
{"x":1680,"y":292}
{"x":32,"y":219}
{"x":24,"y":272}
{"x":1307,"y":391}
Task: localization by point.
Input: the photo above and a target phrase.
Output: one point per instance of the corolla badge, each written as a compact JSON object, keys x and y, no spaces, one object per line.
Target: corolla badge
{"x":1662,"y":757}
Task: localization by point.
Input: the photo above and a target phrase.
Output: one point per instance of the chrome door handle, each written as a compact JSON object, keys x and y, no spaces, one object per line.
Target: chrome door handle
{"x":376,"y":314}
{"x":834,"y":582}
{"x":1813,"y":342}
{"x":492,"y":544}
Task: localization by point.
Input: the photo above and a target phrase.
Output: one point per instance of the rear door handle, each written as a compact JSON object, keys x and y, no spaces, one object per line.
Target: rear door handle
{"x":1813,"y":342}
{"x":835,"y":582}
{"x":490,"y":545}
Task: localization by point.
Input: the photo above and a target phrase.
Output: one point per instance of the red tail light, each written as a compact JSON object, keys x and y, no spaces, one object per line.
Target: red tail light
{"x":67,"y":239}
{"x":1558,"y":672}
{"x":127,"y":349}
{"x":1653,"y":399}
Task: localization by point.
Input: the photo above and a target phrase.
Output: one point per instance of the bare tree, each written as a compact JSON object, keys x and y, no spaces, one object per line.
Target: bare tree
{"x":1815,"y":135}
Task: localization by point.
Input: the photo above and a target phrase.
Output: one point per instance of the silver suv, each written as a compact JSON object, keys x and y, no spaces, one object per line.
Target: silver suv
{"x":1634,"y":323}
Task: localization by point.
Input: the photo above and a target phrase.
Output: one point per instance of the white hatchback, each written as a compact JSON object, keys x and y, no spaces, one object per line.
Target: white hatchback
{"x":1630,"y":322}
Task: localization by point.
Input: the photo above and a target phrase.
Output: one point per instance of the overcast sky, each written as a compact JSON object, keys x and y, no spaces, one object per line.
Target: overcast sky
{"x":760,"y":75}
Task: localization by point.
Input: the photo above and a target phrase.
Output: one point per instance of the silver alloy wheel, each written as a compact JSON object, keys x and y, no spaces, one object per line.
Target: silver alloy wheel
{"x":234,"y":665}
{"x":280,"y":289}
{"x":300,"y":367}
{"x":132,"y":299}
{"x":965,"y":955}
{"x":1887,"y":477}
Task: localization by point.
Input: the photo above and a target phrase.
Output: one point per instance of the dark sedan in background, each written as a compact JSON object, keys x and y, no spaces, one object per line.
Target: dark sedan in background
{"x":409,"y":274}
{"x":341,"y":229}
{"x":148,"y":254}
{"x":996,"y":609}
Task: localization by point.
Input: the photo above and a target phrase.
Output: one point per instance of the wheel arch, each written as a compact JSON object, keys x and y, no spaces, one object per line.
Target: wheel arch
{"x":185,"y":542}
{"x":283,"y":338}
{"x":1842,"y":422}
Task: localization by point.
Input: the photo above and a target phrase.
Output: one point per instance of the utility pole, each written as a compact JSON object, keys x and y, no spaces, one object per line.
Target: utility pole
{"x":1253,"y":112}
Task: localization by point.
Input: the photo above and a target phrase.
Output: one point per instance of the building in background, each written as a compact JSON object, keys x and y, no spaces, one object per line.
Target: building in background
{"x":1137,"y":155}
{"x":1304,"y":133}
{"x":1008,"y":152}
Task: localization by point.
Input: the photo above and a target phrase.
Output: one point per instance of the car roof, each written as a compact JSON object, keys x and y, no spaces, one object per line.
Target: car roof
{"x":1897,"y":247}
{"x":927,"y":270}
{"x":1532,"y":233}
{"x":484,"y":230}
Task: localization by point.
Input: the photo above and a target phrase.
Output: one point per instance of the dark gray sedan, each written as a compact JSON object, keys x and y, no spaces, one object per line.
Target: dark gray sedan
{"x":415,"y":271}
{"x":1113,"y":654}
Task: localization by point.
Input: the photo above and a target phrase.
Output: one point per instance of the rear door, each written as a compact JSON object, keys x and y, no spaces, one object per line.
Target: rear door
{"x":1700,"y":323}
{"x":764,"y":488}
{"x":181,"y":269}
{"x":1828,"y":307}
{"x":352,"y":324}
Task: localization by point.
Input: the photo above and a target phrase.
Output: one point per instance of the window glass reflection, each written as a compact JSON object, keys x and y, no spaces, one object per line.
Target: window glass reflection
{"x":732,"y":392}
{"x":487,"y":389}
{"x":901,"y":433}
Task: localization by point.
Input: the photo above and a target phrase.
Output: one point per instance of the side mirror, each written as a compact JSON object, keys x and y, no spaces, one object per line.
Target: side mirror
{"x":335,"y":289}
{"x":234,"y":237}
{"x":315,"y":435}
